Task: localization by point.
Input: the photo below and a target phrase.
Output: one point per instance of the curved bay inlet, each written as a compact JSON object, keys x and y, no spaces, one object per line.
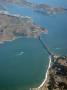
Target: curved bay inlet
{"x":29,"y":68}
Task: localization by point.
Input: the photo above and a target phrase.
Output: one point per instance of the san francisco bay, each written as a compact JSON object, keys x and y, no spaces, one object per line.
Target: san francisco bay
{"x":29,"y":69}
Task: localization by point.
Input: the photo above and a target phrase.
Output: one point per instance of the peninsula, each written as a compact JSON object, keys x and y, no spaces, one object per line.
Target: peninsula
{"x":14,"y":26}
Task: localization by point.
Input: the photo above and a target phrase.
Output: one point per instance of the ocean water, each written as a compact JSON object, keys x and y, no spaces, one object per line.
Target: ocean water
{"x":29,"y":68}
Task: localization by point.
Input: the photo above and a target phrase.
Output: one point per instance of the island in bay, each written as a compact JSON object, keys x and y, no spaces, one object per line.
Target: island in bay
{"x":39,"y":8}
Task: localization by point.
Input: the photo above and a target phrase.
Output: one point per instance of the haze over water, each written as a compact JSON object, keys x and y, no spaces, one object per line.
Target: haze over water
{"x":54,"y":3}
{"x":29,"y":68}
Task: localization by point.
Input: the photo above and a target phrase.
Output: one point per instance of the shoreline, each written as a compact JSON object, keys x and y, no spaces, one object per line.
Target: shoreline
{"x":14,"y":15}
{"x":46,"y":76}
{"x":10,"y":40}
{"x":53,"y":80}
{"x":28,"y":30}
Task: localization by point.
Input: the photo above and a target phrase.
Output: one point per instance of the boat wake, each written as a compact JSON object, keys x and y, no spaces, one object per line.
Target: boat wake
{"x":21,"y":53}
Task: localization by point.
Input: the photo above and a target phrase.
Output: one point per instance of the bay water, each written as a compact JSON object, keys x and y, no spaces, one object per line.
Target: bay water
{"x":29,"y":69}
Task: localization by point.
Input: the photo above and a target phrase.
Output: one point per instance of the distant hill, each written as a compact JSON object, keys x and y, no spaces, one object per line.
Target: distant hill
{"x":39,"y":8}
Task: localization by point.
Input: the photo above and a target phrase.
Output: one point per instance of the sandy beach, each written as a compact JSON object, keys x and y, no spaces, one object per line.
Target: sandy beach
{"x":43,"y":86}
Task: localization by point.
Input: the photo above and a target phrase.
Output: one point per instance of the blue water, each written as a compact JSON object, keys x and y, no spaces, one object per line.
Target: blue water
{"x":56,"y":3}
{"x":55,"y":24}
{"x":25,"y":70}
{"x":28,"y":70}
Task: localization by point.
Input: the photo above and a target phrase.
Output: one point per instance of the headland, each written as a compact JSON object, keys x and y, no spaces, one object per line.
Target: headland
{"x":14,"y":26}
